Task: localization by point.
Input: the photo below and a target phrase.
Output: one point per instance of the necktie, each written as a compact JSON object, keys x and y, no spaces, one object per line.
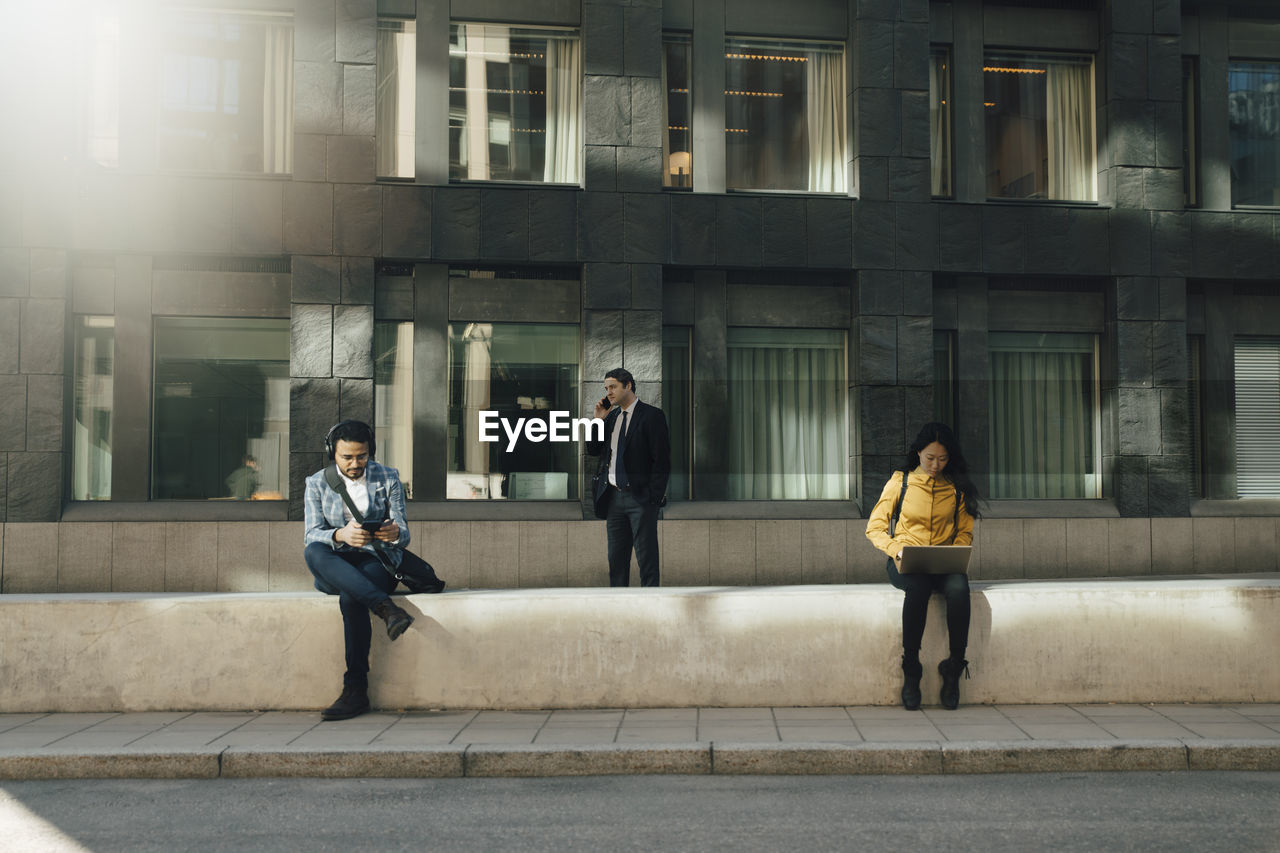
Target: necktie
{"x":620,"y":470}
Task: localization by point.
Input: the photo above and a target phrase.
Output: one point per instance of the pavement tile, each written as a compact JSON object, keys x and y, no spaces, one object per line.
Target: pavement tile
{"x":517,"y":717}
{"x":1146,"y":729}
{"x":1130,"y":711}
{"x":718,"y":715}
{"x":890,"y":734}
{"x":273,"y":739}
{"x":415,"y":737}
{"x":818,"y":734}
{"x":1242,"y":730}
{"x":878,"y":712}
{"x":9,"y":721}
{"x":972,"y":732}
{"x":738,"y":733}
{"x":586,"y":717}
{"x":1206,"y":713}
{"x":595,"y":734}
{"x":474,"y":734}
{"x":801,"y":716}
{"x":657,"y":734}
{"x":1064,"y":731}
{"x":980,"y":714}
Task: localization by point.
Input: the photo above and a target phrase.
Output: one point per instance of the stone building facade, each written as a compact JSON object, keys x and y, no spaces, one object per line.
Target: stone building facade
{"x":918,"y":263}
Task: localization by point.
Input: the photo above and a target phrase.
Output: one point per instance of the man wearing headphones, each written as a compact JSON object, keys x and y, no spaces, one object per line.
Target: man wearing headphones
{"x":341,"y":555}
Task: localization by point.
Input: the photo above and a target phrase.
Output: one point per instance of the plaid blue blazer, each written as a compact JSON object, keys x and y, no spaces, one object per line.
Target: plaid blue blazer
{"x":386,"y":500}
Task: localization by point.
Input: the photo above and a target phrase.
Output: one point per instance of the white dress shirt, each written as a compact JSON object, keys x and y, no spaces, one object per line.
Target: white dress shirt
{"x":629,"y":412}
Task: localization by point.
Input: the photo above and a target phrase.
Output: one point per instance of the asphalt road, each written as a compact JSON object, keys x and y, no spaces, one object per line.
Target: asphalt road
{"x":1199,"y":811}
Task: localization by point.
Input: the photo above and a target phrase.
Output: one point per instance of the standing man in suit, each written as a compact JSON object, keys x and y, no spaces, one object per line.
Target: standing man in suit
{"x":341,"y":554}
{"x":631,"y":484}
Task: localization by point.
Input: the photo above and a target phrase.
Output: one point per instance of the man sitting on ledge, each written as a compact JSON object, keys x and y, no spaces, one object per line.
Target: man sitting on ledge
{"x":341,"y":555}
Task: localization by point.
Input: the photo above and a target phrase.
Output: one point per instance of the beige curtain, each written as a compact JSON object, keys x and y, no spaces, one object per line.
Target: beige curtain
{"x":563,"y":163}
{"x":277,"y":100}
{"x":395,"y":103}
{"x":1069,"y":127}
{"x":825,"y":108}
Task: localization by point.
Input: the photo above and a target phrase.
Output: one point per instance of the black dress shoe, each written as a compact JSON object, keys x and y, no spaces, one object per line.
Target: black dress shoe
{"x":353,"y":702}
{"x":397,"y":620}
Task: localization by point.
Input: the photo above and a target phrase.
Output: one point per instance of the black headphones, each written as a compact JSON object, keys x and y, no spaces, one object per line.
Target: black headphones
{"x":330,"y":446}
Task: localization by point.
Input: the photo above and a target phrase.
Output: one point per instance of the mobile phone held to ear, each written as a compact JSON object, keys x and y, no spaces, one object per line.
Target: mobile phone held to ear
{"x":604,"y":403}
{"x":371,"y":526}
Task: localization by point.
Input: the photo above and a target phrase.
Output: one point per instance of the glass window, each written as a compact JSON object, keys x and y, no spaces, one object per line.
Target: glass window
{"x":940,"y":122}
{"x":677,"y":405}
{"x":515,"y":104}
{"x":94,"y":376}
{"x":1257,"y":375}
{"x":393,"y":398}
{"x":1253,"y":104}
{"x":1195,"y":402}
{"x":517,"y":371}
{"x":226,"y":92}
{"x":787,"y":423}
{"x":221,"y":409}
{"x":1043,"y":415}
{"x":394,"y":104}
{"x":1190,"y":156}
{"x":1040,"y":138}
{"x":944,"y":378}
{"x":677,"y":143}
{"x":102,"y":105}
{"x":784,"y":116}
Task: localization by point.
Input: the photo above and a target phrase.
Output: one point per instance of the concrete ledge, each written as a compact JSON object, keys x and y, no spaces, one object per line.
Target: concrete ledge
{"x":587,"y":760}
{"x":713,"y":758}
{"x":108,"y":764}
{"x":391,"y":762}
{"x":1085,"y":641}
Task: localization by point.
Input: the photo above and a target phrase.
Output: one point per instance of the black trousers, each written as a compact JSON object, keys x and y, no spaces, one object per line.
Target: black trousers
{"x":915,"y":606}
{"x":361,"y":584}
{"x":631,"y":523}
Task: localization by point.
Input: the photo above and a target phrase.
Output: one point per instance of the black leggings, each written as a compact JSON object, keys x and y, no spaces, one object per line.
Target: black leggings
{"x":915,"y":606}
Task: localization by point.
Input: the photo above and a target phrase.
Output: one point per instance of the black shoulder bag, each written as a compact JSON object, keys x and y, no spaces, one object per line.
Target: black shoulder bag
{"x":414,"y":572}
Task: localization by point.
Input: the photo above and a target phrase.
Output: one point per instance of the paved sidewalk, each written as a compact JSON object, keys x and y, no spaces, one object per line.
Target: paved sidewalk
{"x":973,"y":739}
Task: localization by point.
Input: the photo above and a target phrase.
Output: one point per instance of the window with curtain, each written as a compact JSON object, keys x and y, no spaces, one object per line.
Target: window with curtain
{"x":677,"y":142}
{"x":1257,"y":379}
{"x":940,"y":122}
{"x":677,"y":405}
{"x":1043,"y":415}
{"x":1190,"y":149}
{"x":393,"y":397}
{"x":515,"y":104}
{"x":1039,"y":121}
{"x":92,"y":408}
{"x":226,"y":92}
{"x":221,"y":409}
{"x":1253,"y":108}
{"x":519,"y":370}
{"x":784,"y":116}
{"x":394,"y":101}
{"x":787,"y":423}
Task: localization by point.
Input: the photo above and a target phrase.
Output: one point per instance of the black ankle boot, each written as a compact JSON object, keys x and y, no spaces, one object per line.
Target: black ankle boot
{"x":353,"y":702}
{"x":397,"y":620}
{"x":950,"y":670}
{"x":911,"y":672}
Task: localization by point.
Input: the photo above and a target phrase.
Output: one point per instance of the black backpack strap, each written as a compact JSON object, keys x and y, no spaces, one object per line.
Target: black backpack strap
{"x":897,"y":510}
{"x":334,"y":479}
{"x":955,"y":517}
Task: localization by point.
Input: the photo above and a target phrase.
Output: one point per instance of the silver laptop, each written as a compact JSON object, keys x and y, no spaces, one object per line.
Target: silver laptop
{"x":935,"y":559}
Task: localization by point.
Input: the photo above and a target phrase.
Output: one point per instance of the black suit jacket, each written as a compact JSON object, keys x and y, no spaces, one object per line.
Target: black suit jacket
{"x":647,"y":457}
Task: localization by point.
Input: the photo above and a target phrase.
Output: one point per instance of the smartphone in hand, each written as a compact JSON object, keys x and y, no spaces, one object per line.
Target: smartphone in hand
{"x":371,"y":526}
{"x":604,"y":403}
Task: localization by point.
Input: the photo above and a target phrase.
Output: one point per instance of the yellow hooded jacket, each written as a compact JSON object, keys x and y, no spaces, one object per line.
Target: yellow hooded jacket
{"x":928,"y":514}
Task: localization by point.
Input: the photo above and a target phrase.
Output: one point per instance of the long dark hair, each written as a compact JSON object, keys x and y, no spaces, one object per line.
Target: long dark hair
{"x":957,"y":469}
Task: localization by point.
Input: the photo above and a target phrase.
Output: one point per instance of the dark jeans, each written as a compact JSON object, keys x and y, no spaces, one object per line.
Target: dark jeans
{"x":915,"y":606}
{"x":631,"y":523}
{"x":361,"y":584}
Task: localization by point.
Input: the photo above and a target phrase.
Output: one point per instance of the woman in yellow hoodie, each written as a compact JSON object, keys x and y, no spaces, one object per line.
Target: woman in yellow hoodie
{"x":937,"y":508}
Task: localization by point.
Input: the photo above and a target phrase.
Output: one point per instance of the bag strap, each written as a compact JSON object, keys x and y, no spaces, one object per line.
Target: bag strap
{"x":955,"y":516}
{"x":334,"y":479}
{"x":897,"y":510}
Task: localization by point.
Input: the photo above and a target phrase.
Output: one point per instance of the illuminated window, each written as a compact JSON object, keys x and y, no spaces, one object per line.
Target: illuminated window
{"x":677,"y":153}
{"x":784,"y":116}
{"x":92,"y":415}
{"x":1039,"y":120}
